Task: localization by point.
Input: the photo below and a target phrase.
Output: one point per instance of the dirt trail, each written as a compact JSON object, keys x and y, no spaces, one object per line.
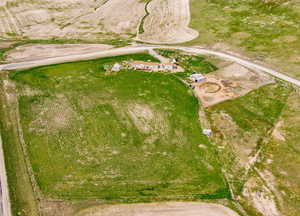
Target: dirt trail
{"x":159,"y":57}
{"x":160,"y":209}
{"x":262,"y":199}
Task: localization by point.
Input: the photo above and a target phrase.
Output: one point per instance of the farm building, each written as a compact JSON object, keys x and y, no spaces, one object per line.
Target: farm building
{"x":196,"y":77}
{"x":116,"y":67}
{"x":154,"y":66}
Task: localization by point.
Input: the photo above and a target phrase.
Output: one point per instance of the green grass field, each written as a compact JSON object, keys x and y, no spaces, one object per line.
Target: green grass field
{"x":127,"y":137}
{"x":285,"y":156}
{"x":257,"y":110}
{"x":268,"y":31}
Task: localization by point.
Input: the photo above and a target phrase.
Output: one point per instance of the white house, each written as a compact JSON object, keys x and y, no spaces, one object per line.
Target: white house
{"x":196,"y":77}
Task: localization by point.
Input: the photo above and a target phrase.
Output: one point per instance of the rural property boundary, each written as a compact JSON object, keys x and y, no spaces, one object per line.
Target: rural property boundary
{"x":5,"y":202}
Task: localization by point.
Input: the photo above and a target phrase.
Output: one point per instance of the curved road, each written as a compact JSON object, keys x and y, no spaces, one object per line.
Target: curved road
{"x":140,"y":48}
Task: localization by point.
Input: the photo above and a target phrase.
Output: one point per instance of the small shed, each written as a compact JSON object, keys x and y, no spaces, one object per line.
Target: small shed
{"x":207,"y":132}
{"x":116,"y":67}
{"x":197,"y":77}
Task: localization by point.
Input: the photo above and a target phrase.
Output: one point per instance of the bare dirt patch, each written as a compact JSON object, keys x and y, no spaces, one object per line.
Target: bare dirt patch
{"x":168,"y":22}
{"x":52,"y":115}
{"x":211,"y":87}
{"x":238,"y":37}
{"x":146,"y":119}
{"x":241,"y":35}
{"x":233,"y":81}
{"x":2,"y":2}
{"x":41,"y":51}
{"x":5,"y":44}
{"x":286,"y":39}
{"x":54,"y":208}
{"x":260,"y":197}
{"x":160,"y":209}
{"x":295,"y":59}
{"x":277,"y":133}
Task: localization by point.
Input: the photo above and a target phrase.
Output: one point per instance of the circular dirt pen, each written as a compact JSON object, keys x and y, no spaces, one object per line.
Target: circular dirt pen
{"x":210,"y":87}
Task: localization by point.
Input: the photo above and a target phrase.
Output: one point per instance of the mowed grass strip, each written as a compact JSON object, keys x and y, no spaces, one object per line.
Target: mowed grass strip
{"x":129,"y":136}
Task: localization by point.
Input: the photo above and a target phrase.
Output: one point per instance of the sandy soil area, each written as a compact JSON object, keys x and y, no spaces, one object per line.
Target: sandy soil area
{"x":277,"y":132}
{"x":230,"y":82}
{"x":5,"y":44}
{"x":96,"y":19}
{"x":160,"y":209}
{"x":2,"y":2}
{"x":32,"y":52}
{"x":89,"y":19}
{"x":262,"y":199}
{"x":168,"y":22}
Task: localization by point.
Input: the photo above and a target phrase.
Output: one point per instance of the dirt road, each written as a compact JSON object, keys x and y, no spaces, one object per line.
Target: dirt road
{"x":159,"y":57}
{"x":145,"y":48}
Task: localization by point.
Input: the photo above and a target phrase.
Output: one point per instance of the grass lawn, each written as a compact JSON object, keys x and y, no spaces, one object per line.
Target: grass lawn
{"x":129,"y":136}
